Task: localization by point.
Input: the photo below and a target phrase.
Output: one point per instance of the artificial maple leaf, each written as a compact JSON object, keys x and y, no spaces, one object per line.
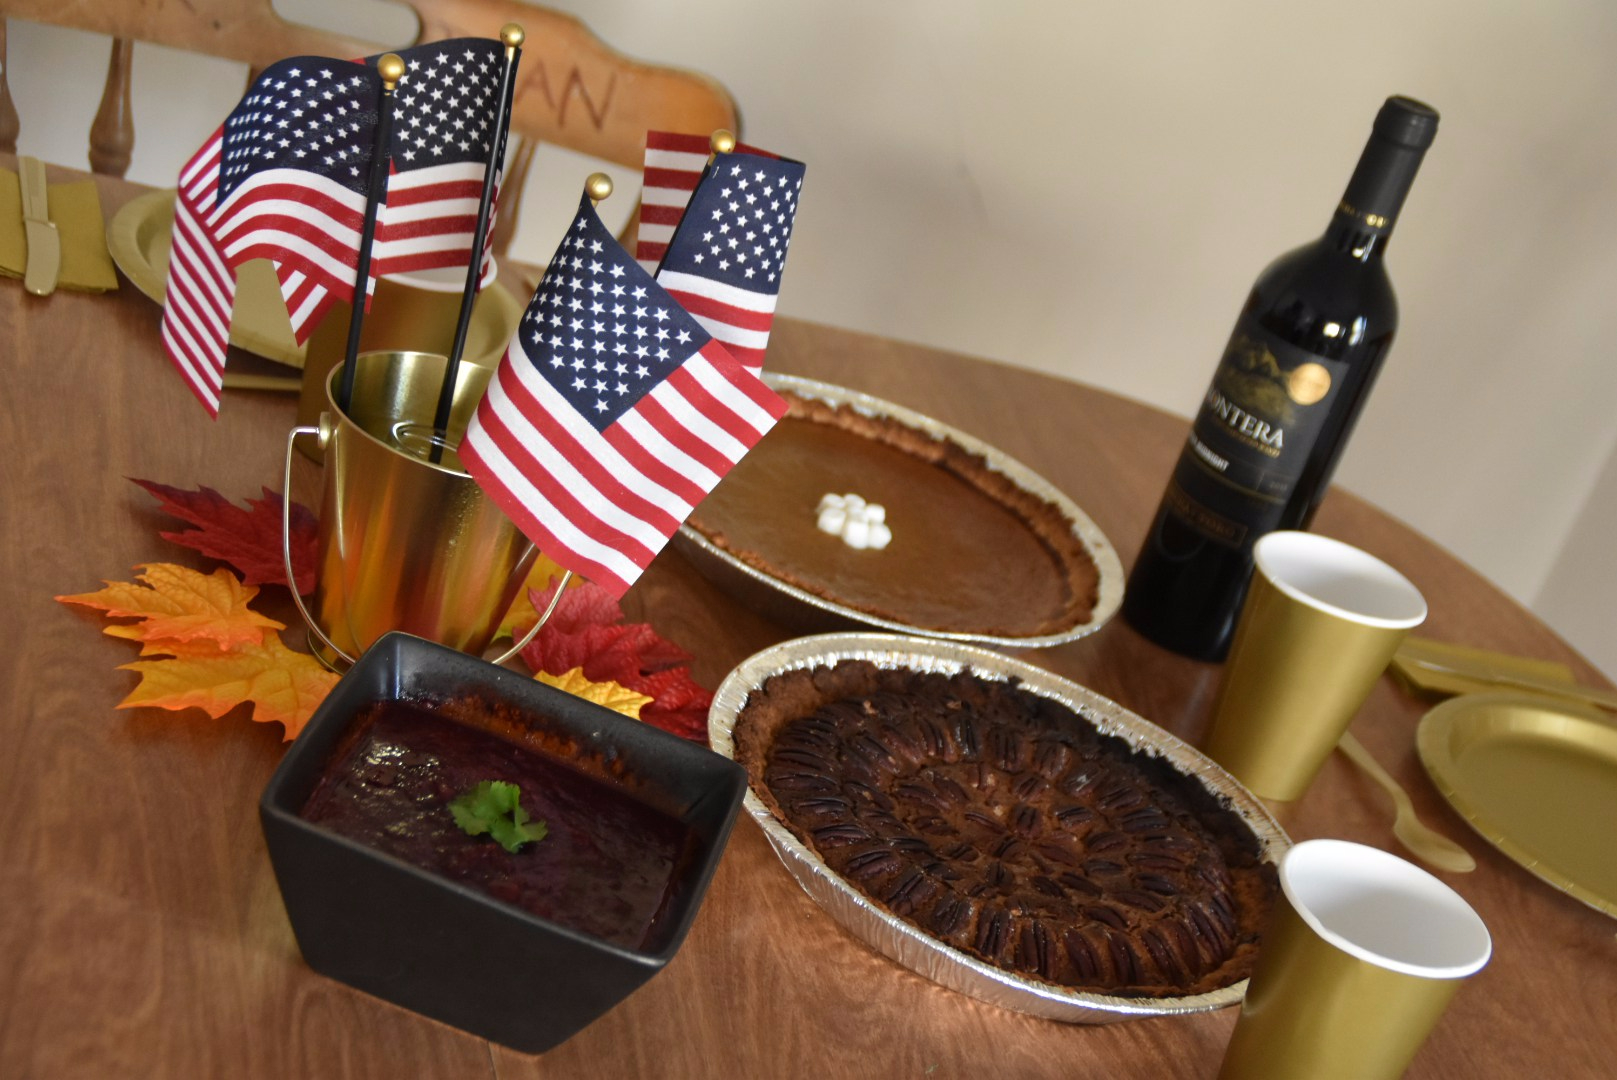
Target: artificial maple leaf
{"x":249,"y":540}
{"x":193,"y":649}
{"x":522,"y":612}
{"x":283,"y":686}
{"x":619,"y":699}
{"x":586,"y":629}
{"x":585,"y":632}
{"x":660,"y":654}
{"x":679,"y":703}
{"x":604,"y":652}
{"x":184,"y":605}
{"x":586,"y":605}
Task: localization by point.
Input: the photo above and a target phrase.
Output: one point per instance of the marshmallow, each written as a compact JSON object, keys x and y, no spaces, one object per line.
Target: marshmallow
{"x":861,"y":525}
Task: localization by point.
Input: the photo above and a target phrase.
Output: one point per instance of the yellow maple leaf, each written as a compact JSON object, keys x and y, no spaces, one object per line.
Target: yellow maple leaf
{"x":538,"y":580}
{"x":183,"y":605}
{"x":618,"y":698}
{"x":284,"y":686}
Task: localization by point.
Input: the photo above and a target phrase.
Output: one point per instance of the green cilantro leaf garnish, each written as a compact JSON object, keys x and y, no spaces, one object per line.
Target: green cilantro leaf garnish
{"x":494,"y":807}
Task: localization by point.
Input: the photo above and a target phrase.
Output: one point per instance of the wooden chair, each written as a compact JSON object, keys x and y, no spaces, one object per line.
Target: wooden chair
{"x":573,"y":90}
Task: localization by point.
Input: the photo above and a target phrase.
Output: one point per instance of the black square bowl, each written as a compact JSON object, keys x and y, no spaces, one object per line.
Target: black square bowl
{"x":452,"y":952}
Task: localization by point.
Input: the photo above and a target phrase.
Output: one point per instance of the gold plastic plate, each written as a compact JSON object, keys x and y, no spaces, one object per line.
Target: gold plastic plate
{"x":1538,"y":779}
{"x":138,"y":238}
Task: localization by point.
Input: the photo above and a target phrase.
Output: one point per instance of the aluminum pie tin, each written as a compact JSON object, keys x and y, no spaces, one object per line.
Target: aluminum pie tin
{"x":1537,"y":778}
{"x":788,"y":602}
{"x":898,"y":940}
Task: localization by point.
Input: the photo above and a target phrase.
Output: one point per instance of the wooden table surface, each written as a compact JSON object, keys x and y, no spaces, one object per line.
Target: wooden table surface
{"x":141,"y":929}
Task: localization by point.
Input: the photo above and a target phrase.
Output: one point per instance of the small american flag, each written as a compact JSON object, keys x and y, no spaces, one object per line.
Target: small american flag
{"x":674,"y":165}
{"x":725,"y":260}
{"x":443,"y":128}
{"x":283,"y":178}
{"x":612,"y":415}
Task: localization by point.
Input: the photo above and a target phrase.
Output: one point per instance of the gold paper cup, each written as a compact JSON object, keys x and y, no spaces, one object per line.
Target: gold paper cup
{"x":406,"y":544}
{"x":1359,"y":960}
{"x":1319,"y":626}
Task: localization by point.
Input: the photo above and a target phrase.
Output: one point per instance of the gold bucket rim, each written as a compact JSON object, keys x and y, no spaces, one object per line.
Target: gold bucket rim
{"x":338,"y":414}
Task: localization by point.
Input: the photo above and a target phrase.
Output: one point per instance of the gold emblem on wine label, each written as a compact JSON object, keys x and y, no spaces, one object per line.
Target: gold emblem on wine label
{"x":1308,"y":383}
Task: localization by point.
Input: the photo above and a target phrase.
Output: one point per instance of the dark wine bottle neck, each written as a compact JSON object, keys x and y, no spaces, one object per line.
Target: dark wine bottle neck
{"x":1369,"y":208}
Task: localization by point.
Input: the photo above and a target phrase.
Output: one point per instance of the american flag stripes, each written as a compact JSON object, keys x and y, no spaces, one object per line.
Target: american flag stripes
{"x":444,"y":111}
{"x":285,"y":176}
{"x":674,"y":165}
{"x":725,"y":259}
{"x":612,"y":414}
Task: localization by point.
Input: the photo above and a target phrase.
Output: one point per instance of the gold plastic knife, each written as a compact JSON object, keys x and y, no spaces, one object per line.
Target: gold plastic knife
{"x":44,"y":246}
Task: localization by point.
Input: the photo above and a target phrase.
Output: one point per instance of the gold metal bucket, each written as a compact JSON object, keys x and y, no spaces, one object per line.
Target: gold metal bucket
{"x":405,"y":544}
{"x":414,"y":312}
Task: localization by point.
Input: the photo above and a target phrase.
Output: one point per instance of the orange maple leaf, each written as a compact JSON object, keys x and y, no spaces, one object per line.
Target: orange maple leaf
{"x":195,"y":649}
{"x":619,"y":699}
{"x":283,"y":686}
{"x":183,"y":605}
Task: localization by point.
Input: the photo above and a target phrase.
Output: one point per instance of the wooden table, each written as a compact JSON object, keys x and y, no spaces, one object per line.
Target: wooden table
{"x":142,"y":931}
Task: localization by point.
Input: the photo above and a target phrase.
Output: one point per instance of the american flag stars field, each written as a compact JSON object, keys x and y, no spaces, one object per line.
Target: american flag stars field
{"x":725,"y":259}
{"x":748,"y":225}
{"x":607,"y":342}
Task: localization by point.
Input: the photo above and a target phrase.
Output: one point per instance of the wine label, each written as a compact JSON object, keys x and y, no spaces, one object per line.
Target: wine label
{"x":1260,"y":418}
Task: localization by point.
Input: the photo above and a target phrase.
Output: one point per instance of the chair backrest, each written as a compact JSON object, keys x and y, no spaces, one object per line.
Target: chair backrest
{"x":573,"y":90}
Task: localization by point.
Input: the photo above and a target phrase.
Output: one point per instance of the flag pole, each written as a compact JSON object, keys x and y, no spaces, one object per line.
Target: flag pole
{"x":391,"y":68}
{"x":512,"y":36}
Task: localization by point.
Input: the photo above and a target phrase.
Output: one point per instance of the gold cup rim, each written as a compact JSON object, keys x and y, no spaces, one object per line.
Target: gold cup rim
{"x":358,"y":429}
{"x":1381,"y":595}
{"x":1314,"y":874}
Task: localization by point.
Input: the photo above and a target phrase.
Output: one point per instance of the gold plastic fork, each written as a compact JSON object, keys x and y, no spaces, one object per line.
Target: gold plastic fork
{"x":1423,"y":842}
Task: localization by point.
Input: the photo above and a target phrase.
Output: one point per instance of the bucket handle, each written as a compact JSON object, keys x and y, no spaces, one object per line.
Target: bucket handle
{"x":322,"y":431}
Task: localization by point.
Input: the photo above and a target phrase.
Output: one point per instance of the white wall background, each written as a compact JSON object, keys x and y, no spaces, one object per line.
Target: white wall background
{"x":1088,"y":188}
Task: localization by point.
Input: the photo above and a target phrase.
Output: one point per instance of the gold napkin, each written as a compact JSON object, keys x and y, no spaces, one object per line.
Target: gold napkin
{"x":1436,"y":667}
{"x":76,"y":210}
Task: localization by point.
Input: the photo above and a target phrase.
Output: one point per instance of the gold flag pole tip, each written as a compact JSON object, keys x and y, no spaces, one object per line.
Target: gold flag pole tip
{"x":512,"y":35}
{"x":722,"y":142}
{"x":391,"y":68}
{"x":598,"y":186}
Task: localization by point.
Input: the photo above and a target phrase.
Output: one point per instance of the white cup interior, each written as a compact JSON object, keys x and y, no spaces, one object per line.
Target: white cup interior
{"x":1339,"y":579}
{"x":1383,"y":910}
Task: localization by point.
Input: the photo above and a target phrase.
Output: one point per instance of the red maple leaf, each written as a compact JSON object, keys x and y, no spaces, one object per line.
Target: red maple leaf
{"x":586,"y":631}
{"x":679,"y":703}
{"x":249,"y":540}
{"x":585,"y":604}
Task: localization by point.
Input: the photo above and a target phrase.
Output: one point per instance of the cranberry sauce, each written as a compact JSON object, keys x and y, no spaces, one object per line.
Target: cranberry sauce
{"x":604,"y":868}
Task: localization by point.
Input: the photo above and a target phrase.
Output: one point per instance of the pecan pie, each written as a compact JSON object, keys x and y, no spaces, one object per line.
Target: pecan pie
{"x":1003,"y":824}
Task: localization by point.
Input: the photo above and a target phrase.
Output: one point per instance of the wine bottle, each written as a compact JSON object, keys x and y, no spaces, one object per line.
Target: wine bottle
{"x":1298,"y":367}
